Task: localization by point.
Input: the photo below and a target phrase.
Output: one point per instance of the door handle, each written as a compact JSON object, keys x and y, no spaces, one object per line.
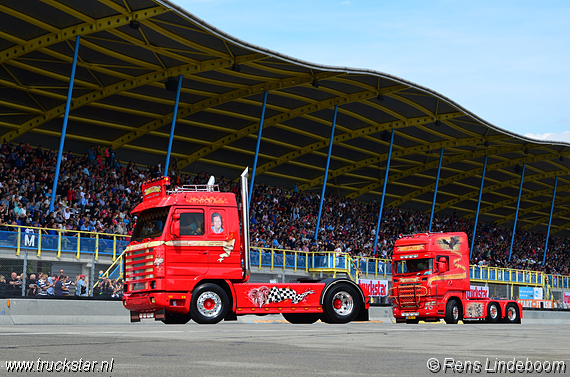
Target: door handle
{"x":202,"y":252}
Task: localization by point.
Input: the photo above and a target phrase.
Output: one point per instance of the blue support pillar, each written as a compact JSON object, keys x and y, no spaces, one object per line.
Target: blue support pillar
{"x":326,"y":174}
{"x":257,"y":148}
{"x":167,"y":166}
{"x":517,"y":213}
{"x":478,"y":207}
{"x":435,"y":191}
{"x":65,"y":119}
{"x":550,"y":221}
{"x":383,"y":192}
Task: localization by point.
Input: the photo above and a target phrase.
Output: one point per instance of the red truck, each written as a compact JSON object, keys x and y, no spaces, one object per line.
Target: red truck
{"x":430,"y":281}
{"x":189,"y":259}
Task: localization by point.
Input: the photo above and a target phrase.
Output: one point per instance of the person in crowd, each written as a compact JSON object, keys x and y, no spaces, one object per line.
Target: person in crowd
{"x":81,"y":286}
{"x":32,"y":286}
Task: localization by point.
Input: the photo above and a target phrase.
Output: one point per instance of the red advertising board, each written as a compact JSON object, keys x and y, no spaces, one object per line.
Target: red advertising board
{"x":375,"y":287}
{"x":478,"y":292}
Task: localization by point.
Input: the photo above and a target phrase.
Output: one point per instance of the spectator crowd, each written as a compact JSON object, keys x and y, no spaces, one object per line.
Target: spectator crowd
{"x":54,"y":285}
{"x":96,"y":193}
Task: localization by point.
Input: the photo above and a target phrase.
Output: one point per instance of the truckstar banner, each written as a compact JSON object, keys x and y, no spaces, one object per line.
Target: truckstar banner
{"x":478,"y":292}
{"x":375,"y":287}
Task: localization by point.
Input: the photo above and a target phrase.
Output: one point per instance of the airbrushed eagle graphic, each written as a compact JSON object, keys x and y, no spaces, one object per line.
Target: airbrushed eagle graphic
{"x":451,"y":243}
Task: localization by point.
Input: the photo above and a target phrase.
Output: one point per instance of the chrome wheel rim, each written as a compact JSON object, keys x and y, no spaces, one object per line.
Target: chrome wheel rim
{"x":209,"y":304}
{"x":342,"y":303}
{"x":455,"y":312}
{"x":512,"y":314}
{"x":494,"y":311}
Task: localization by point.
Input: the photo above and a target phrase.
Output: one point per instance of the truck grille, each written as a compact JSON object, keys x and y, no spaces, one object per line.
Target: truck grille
{"x":138,"y":268}
{"x":408,"y":296}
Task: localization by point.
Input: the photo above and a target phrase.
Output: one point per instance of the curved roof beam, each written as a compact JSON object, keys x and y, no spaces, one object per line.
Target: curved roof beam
{"x":475,"y":193}
{"x":475,"y":172}
{"x":536,"y":207}
{"x":106,"y":92}
{"x":429,"y":165}
{"x":56,"y":35}
{"x":384,"y":156}
{"x":271,"y":121}
{"x":557,"y":215}
{"x":378,"y":127}
{"x":556,"y":173}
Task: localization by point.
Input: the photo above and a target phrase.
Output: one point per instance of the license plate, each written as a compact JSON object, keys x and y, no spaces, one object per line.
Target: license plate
{"x":411,"y":317}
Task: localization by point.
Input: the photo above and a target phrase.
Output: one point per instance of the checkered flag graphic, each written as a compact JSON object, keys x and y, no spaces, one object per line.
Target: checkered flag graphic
{"x":282,"y":294}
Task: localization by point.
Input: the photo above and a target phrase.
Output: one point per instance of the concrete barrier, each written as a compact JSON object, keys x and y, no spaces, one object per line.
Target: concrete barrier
{"x":546,"y":316}
{"x":16,"y":311}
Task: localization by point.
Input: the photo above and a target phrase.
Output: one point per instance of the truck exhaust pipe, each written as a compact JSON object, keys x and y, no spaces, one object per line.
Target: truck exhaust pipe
{"x":245,"y":222}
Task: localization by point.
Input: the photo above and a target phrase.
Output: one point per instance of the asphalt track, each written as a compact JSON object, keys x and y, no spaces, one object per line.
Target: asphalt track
{"x":280,"y":349}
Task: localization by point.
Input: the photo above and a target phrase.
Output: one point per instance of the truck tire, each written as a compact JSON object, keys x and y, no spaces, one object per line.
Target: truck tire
{"x":210,"y":304}
{"x":493,"y":312}
{"x":341,"y":304}
{"x":512,"y":314}
{"x":452,"y":312}
{"x":304,"y":318}
{"x":176,"y":318}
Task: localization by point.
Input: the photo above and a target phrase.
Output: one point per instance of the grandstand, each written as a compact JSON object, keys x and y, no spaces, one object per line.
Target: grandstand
{"x":154,"y":89}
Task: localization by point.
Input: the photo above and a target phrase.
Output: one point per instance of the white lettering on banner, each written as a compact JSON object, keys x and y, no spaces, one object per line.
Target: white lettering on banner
{"x":478,"y":292}
{"x":30,"y":240}
{"x":538,"y":293}
{"x":539,"y":304}
{"x":375,"y":287}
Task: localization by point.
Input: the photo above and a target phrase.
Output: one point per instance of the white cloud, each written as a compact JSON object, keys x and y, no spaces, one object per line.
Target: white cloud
{"x":551,"y":136}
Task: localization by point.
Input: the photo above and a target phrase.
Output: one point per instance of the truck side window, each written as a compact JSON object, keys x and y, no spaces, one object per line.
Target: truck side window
{"x":192,"y":224}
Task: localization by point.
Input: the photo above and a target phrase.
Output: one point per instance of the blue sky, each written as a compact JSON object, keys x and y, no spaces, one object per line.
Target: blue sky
{"x":506,"y":61}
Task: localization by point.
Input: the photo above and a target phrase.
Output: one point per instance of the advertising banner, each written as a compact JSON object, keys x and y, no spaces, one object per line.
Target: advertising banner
{"x":537,"y":304}
{"x":478,"y":292}
{"x":530,"y":293}
{"x":375,"y":287}
{"x":566,"y":299}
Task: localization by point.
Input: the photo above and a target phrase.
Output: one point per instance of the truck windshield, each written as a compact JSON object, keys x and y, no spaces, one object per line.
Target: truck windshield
{"x":150,"y":223}
{"x":422,"y":266}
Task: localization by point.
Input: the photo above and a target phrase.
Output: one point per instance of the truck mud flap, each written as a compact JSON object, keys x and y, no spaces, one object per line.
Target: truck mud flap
{"x":362,"y":315}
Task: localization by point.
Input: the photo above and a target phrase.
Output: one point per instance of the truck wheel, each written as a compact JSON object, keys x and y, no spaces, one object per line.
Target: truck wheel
{"x":512,"y":314}
{"x":210,"y":304}
{"x":305,"y":318}
{"x":341,"y":305}
{"x":176,"y":318}
{"x":452,"y":312}
{"x":493,"y":312}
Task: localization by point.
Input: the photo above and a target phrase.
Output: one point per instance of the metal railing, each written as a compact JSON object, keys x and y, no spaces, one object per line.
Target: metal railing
{"x":62,"y":241}
{"x":506,"y":276}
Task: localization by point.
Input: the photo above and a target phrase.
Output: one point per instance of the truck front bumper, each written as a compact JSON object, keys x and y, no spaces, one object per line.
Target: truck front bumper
{"x":154,"y":301}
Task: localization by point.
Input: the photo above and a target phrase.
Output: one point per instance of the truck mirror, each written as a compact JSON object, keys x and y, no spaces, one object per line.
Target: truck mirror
{"x":175,"y":225}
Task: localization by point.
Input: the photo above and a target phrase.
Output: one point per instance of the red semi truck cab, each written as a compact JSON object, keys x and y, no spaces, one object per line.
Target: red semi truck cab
{"x":430,"y":281}
{"x":189,"y":259}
